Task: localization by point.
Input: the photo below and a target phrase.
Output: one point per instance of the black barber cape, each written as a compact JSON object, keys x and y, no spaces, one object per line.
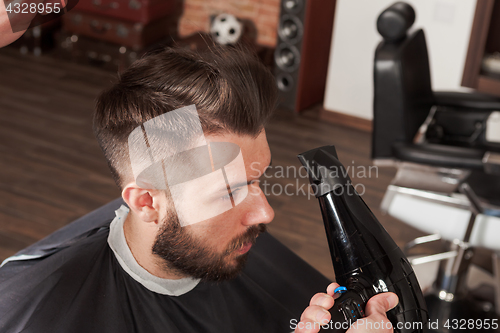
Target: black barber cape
{"x":71,"y":281}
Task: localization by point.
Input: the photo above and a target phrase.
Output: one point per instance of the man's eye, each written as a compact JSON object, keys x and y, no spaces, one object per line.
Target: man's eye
{"x":227,"y":197}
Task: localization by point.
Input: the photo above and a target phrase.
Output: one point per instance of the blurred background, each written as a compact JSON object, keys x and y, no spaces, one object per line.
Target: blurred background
{"x":321,"y":52}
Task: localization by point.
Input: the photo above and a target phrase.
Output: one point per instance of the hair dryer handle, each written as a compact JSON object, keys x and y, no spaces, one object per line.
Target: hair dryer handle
{"x":348,"y":308}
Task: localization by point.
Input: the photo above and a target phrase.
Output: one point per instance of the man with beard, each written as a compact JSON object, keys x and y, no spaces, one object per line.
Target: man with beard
{"x":173,"y":258}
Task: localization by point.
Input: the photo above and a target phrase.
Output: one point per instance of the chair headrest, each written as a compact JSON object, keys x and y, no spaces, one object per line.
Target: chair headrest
{"x":394,"y":21}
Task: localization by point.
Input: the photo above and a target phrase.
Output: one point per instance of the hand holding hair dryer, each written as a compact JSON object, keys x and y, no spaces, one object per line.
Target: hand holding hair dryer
{"x":365,"y":258}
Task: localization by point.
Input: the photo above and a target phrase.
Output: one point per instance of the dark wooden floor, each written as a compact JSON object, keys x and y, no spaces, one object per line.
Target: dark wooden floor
{"x":52,"y":170}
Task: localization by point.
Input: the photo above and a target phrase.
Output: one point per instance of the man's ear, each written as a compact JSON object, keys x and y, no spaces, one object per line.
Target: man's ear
{"x":142,"y":202}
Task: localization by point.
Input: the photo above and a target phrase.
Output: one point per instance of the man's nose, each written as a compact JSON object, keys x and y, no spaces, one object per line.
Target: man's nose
{"x":259,"y":210}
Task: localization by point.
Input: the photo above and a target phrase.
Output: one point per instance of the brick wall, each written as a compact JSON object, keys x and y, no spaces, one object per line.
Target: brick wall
{"x":263,"y":13}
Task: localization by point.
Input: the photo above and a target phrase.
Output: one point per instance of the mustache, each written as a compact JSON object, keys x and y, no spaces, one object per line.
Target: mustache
{"x":250,"y":236}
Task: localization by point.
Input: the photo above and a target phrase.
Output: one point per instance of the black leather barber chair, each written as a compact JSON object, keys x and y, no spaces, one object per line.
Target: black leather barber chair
{"x":448,"y":160}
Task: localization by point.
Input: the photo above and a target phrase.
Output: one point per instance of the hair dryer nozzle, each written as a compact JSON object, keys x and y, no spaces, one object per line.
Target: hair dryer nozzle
{"x":325,"y":171}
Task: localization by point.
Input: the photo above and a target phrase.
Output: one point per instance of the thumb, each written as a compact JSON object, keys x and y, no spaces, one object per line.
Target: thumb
{"x":381,"y":303}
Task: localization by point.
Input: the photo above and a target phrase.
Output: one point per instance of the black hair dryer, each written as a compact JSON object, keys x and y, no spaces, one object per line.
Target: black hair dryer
{"x":365,"y":258}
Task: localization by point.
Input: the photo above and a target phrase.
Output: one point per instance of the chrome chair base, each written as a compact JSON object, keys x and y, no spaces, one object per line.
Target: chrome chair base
{"x":471,"y":313}
{"x":428,"y":198}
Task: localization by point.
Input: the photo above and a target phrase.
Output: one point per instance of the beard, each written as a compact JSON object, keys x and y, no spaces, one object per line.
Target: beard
{"x":188,"y":255}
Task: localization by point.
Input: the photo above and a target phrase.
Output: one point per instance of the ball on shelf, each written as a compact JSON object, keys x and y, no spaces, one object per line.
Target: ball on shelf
{"x":226,"y":29}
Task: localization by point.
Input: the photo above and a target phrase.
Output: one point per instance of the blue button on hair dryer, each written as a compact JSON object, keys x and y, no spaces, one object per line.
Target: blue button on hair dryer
{"x":365,"y":258}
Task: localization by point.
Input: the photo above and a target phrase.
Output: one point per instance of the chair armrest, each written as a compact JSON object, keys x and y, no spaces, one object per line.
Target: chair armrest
{"x":439,"y":155}
{"x":101,"y":217}
{"x":467,"y":101}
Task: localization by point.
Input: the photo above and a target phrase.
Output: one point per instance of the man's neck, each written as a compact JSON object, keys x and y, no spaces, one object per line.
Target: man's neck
{"x":140,"y":237}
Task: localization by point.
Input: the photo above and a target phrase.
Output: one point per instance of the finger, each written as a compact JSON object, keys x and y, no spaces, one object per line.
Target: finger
{"x":317,"y":314}
{"x":18,"y":18}
{"x":307,"y":326}
{"x":331,"y":288}
{"x":381,"y":303}
{"x":321,"y":299}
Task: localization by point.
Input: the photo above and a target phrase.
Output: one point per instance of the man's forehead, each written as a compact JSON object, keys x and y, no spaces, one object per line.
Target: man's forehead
{"x":255,"y":149}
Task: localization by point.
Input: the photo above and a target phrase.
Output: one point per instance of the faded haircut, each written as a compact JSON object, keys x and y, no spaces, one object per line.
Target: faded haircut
{"x":231,"y":89}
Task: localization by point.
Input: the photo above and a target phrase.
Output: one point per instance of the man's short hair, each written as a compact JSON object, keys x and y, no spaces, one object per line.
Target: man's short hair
{"x":231,"y":89}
